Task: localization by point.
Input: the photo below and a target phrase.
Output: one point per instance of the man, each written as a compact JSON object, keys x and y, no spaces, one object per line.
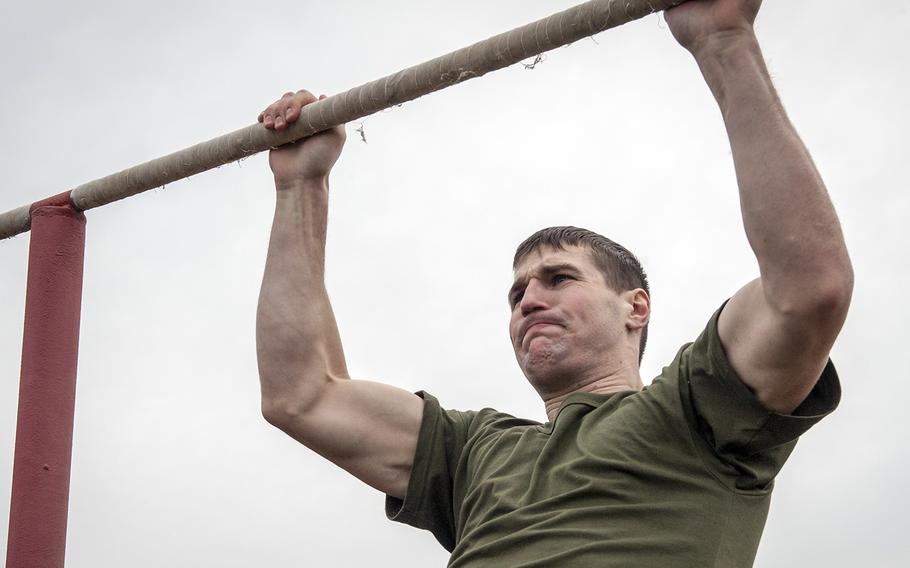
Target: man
{"x":675,"y":474}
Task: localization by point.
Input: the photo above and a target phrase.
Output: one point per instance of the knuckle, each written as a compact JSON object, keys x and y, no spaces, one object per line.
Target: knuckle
{"x":305,"y":96}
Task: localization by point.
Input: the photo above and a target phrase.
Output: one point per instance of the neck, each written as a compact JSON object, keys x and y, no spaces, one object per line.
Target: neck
{"x":624,"y":379}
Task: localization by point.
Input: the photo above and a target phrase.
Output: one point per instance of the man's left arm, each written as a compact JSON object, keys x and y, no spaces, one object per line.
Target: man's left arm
{"x":778,"y":330}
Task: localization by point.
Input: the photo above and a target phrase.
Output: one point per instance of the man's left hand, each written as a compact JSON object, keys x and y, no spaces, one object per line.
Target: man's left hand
{"x":697,"y":24}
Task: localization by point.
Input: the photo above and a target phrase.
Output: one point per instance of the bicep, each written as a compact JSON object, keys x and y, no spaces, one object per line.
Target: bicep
{"x":367,"y":428}
{"x":779,"y":356}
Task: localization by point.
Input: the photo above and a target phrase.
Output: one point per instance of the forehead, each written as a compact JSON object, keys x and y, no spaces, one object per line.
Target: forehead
{"x":547,"y":257}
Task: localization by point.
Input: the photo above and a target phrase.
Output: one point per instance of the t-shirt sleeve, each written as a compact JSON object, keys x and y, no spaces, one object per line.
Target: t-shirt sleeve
{"x":751,"y":442}
{"x":429,"y":500}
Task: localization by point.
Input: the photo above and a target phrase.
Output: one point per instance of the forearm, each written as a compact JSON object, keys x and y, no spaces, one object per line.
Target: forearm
{"x":789,"y":220}
{"x":298,"y":344}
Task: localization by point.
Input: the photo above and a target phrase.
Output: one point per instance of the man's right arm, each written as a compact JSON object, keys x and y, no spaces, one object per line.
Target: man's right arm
{"x":367,"y":428}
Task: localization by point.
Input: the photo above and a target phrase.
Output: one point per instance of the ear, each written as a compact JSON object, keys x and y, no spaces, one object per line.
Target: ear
{"x":639,"y":304}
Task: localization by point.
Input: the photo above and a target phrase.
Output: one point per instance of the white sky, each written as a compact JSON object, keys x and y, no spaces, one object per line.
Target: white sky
{"x":173,"y":464}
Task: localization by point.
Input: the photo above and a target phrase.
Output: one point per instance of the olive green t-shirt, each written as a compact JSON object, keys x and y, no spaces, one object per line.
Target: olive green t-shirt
{"x":679,"y":474}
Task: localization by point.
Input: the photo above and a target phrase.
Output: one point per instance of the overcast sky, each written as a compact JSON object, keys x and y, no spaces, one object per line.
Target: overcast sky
{"x":173,"y":464}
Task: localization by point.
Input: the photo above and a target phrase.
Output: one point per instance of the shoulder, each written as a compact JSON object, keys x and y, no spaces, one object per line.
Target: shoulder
{"x":727,"y":418}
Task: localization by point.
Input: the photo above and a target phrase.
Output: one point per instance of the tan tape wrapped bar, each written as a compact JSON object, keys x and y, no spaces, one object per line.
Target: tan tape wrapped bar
{"x":15,"y":221}
{"x":476,"y":60}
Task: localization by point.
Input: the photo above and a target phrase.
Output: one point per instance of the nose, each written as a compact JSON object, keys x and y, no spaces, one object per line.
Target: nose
{"x":534,"y":298}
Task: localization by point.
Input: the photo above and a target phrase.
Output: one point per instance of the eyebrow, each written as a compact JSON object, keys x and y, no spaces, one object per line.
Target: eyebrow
{"x":545,"y":270}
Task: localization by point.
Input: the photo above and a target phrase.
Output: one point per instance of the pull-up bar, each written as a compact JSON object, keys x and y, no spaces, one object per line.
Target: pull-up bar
{"x":473,"y":61}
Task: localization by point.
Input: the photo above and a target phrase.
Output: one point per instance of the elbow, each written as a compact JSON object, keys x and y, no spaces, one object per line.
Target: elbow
{"x":834,"y":291}
{"x":290,"y":389}
{"x":292,"y":372}
{"x":273,"y":412}
{"x":825,"y":297}
{"x":284,"y":411}
{"x":276,"y":414}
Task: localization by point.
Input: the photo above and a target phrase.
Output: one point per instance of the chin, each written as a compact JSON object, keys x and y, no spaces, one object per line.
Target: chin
{"x":545,"y":373}
{"x":547,"y":363}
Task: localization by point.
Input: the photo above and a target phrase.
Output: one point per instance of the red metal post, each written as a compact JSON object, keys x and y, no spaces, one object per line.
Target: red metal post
{"x":47,"y":388}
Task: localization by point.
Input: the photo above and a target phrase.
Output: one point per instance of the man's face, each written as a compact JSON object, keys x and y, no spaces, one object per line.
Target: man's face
{"x":565,"y":319}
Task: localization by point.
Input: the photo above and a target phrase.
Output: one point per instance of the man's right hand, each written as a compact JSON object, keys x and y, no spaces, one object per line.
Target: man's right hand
{"x":307,"y":160}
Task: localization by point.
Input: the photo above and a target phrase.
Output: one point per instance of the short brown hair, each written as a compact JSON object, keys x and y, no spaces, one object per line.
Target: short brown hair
{"x":620,"y":268}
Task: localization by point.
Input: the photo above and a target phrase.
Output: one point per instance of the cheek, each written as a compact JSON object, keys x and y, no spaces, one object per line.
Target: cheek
{"x":596,"y":320}
{"x":608,"y":322}
{"x":513,"y":326}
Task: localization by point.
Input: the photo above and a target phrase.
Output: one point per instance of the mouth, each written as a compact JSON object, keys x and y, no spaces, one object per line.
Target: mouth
{"x":535,"y":325}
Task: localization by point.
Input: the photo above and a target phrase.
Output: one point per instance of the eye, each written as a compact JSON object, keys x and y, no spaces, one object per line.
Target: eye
{"x":516,"y":297}
{"x":560,"y":278}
